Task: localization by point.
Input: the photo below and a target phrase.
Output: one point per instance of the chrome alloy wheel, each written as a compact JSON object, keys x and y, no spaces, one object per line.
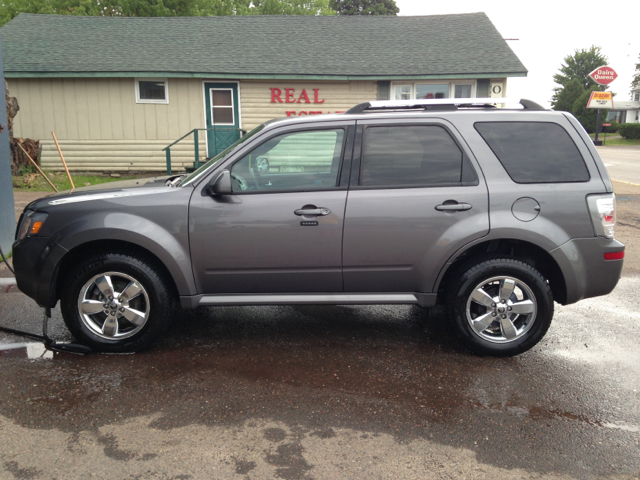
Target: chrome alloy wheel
{"x":113,"y":305}
{"x":501,"y":309}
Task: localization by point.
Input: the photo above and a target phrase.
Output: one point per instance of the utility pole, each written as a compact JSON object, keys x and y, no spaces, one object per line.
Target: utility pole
{"x":7,"y":207}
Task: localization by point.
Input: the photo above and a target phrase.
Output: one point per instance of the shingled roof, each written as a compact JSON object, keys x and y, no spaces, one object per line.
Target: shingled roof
{"x":339,"y":47}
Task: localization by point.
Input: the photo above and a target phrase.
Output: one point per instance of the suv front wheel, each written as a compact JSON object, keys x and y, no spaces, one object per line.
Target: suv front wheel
{"x":117,"y":302}
{"x":500,"y":306}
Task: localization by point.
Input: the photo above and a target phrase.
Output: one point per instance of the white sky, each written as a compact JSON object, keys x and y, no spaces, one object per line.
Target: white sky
{"x":550,"y":30}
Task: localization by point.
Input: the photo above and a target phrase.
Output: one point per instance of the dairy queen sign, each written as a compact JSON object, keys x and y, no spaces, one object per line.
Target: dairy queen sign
{"x":603,"y":75}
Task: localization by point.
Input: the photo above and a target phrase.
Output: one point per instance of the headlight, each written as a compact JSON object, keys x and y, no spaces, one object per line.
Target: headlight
{"x":31,"y":224}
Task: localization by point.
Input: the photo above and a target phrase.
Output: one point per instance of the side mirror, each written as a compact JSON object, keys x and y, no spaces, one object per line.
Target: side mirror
{"x":221,"y":185}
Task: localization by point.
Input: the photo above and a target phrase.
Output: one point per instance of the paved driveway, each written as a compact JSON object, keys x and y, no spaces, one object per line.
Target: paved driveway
{"x":623,"y":163}
{"x":310,"y":392}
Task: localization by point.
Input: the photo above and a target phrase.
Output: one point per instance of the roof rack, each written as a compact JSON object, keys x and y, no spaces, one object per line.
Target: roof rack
{"x":440,"y":104}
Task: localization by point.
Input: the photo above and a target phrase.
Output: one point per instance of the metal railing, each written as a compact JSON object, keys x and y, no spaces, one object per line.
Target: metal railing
{"x":196,"y":145}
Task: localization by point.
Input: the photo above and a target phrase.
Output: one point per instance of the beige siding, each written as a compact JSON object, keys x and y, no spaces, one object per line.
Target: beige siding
{"x":118,"y":155}
{"x":257,"y":107}
{"x":101,"y":127}
{"x":104,"y":109}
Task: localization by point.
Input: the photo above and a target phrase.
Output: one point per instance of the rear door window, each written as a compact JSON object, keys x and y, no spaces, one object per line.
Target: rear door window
{"x":410,"y":155}
{"x":535,"y":152}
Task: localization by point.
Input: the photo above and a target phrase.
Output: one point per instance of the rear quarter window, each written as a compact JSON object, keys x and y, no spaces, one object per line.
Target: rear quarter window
{"x":535,"y":152}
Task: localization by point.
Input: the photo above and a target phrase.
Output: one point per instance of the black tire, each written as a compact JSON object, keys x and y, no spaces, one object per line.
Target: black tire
{"x":497,"y":277}
{"x":156,"y":300}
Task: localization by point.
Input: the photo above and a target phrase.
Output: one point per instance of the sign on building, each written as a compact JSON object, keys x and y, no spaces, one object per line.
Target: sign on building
{"x":600,"y":100}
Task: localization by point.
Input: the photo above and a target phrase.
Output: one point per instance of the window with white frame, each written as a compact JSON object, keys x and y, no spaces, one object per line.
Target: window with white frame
{"x":152,"y":90}
{"x":433,"y":90}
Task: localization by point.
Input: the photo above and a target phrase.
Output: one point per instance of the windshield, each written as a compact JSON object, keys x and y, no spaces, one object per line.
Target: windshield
{"x":197,"y":173}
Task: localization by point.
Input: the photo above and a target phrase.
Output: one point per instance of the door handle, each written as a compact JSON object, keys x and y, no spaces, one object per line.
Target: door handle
{"x":312,"y":211}
{"x":453,"y":207}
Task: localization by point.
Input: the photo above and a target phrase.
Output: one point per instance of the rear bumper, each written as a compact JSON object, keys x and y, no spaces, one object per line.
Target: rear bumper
{"x":35,"y":261}
{"x":586,"y":272}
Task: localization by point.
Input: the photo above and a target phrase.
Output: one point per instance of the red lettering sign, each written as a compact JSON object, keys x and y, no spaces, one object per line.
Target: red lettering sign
{"x":305,"y":96}
{"x":291,"y":114}
{"x":289,"y":93}
{"x":275,"y":95}
{"x":315,"y":96}
{"x":603,"y":75}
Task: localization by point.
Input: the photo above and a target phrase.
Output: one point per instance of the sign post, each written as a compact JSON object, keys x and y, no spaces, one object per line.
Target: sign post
{"x":7,"y":209}
{"x":602,"y":76}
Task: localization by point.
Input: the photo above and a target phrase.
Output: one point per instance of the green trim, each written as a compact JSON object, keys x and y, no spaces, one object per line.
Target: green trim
{"x":240,"y":76}
{"x":217,"y":134}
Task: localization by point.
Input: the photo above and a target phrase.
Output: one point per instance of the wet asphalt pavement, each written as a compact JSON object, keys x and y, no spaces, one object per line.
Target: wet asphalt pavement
{"x":330,"y":393}
{"x":327,"y":392}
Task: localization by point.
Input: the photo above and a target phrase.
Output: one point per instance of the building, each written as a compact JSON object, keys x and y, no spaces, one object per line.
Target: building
{"x":116,"y":91}
{"x":626,"y":111}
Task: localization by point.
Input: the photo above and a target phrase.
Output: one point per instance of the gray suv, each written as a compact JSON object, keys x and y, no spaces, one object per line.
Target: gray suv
{"x":493,"y":212}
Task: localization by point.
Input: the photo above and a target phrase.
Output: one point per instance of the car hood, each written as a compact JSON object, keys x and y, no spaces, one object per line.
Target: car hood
{"x":123,"y":188}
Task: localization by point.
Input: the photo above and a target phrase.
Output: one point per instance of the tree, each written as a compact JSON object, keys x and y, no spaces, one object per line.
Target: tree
{"x":164,"y":8}
{"x":568,"y":96}
{"x":365,"y":7}
{"x":285,"y":7}
{"x":587,"y":116}
{"x":635,"y":80}
{"x":579,"y":65}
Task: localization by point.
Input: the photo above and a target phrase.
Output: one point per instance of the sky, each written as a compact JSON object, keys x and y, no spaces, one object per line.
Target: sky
{"x":548,"y":31}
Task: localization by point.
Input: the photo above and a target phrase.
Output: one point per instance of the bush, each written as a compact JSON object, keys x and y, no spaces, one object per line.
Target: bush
{"x":613,"y":128}
{"x":629,"y":130}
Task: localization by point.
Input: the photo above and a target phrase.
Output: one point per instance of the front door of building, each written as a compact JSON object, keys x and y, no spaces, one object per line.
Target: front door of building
{"x":223,"y":116}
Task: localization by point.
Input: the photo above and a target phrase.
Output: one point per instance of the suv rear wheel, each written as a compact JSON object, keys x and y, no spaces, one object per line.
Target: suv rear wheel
{"x":500,"y":306}
{"x":117,"y":302}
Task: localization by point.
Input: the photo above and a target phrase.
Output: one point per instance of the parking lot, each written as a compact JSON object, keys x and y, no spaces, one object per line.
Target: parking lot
{"x":335,"y":392}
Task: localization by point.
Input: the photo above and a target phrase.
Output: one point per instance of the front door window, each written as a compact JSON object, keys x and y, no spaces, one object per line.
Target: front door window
{"x":299,"y":161}
{"x":222,"y":108}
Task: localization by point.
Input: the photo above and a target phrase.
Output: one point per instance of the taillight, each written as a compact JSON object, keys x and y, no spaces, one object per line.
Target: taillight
{"x":603,"y":214}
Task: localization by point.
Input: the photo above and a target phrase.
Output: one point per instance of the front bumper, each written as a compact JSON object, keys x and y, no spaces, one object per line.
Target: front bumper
{"x":35,"y":261}
{"x":586,"y":273}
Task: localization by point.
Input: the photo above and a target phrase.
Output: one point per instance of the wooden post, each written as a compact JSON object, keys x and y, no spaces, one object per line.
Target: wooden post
{"x":38,"y":168}
{"x":63,"y":162}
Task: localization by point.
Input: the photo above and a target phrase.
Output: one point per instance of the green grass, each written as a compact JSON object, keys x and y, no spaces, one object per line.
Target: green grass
{"x":33,"y":182}
{"x":601,"y":136}
{"x":614,"y":139}
{"x":629,"y":142}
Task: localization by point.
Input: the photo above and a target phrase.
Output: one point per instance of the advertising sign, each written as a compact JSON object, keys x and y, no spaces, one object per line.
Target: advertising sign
{"x":603,"y":75}
{"x":600,"y":100}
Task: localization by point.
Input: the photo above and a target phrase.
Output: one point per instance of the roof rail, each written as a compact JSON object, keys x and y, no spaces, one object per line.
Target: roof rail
{"x":441,"y":104}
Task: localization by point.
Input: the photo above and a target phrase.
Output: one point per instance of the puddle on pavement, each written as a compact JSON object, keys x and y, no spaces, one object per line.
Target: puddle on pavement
{"x":30,"y":351}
